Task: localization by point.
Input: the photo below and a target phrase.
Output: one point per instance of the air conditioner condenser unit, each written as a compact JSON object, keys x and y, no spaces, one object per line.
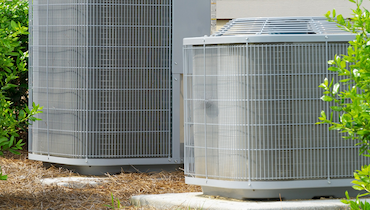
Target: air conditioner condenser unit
{"x":108,"y":74}
{"x":251,"y":103}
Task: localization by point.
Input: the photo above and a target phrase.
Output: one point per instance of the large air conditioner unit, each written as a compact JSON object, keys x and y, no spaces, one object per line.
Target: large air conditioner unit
{"x":251,"y":103}
{"x":108,"y":74}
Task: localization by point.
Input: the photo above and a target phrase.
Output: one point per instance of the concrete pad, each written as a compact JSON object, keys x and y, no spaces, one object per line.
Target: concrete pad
{"x":74,"y":182}
{"x":200,"y":201}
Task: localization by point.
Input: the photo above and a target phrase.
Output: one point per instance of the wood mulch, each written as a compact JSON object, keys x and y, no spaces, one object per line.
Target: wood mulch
{"x":23,"y":189}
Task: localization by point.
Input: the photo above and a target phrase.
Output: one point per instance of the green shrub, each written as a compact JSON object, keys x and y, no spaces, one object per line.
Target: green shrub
{"x":362,"y":182}
{"x":13,"y":65}
{"x":16,"y":53}
{"x":17,"y":11}
{"x":353,"y":102}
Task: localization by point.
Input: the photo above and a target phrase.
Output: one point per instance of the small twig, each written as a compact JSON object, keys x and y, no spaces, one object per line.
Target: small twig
{"x":137,"y":170}
{"x":281,"y":200}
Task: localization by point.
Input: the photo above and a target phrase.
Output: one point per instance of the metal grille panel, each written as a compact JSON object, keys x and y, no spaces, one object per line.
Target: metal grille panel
{"x":279,"y":25}
{"x":251,"y":109}
{"x":102,"y":71}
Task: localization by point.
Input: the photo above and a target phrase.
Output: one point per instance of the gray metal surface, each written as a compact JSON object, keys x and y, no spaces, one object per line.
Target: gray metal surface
{"x":271,"y":184}
{"x":185,"y":16}
{"x":251,"y":109}
{"x":301,"y":38}
{"x":103,"y":72}
{"x":185,"y":12}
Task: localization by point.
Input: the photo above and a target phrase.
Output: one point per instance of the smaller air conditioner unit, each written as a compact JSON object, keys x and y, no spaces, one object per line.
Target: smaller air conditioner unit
{"x":251,"y":103}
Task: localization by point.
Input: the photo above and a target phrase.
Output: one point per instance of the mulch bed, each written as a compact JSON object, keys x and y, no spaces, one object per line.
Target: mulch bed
{"x":23,"y":189}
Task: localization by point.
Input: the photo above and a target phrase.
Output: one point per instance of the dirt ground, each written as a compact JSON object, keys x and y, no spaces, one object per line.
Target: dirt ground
{"x":23,"y":189}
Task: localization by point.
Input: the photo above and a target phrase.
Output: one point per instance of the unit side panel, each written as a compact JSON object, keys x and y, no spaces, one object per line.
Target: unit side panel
{"x":251,"y":113}
{"x":57,"y":57}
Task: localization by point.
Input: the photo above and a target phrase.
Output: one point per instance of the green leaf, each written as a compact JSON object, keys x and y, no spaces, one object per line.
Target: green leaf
{"x":363,"y":132}
{"x":340,"y":19}
{"x":22,"y":114}
{"x":366,"y":179}
{"x":365,"y":194}
{"x":333,"y":128}
{"x":323,"y":114}
{"x":336,"y":108}
{"x":336,"y":88}
{"x":3,"y":139}
{"x":356,"y":187}
{"x":12,"y":53}
{"x":344,"y":118}
{"x":331,"y":83}
{"x":333,"y":68}
{"x":326,"y":82}
{"x":14,"y":25}
{"x":347,"y":196}
{"x":326,"y":98}
{"x":14,"y":151}
{"x":357,"y":182}
{"x":11,"y":141}
{"x":344,"y":201}
{"x":118,"y":203}
{"x":345,"y":80}
{"x":322,"y":85}
{"x":3,"y":177}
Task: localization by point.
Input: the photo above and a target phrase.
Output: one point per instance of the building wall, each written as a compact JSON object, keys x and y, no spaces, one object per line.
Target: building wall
{"x":221,"y":23}
{"x":229,"y":9}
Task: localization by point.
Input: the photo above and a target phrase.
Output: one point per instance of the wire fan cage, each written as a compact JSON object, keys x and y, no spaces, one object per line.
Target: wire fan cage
{"x":283,"y":25}
{"x":103,"y":72}
{"x":251,"y":104}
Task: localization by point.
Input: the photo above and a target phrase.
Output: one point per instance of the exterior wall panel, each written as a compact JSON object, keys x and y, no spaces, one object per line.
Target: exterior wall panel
{"x":230,"y":9}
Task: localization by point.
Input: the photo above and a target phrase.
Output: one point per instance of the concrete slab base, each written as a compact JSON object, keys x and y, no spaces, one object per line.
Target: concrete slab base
{"x":74,"y":182}
{"x":200,"y":201}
